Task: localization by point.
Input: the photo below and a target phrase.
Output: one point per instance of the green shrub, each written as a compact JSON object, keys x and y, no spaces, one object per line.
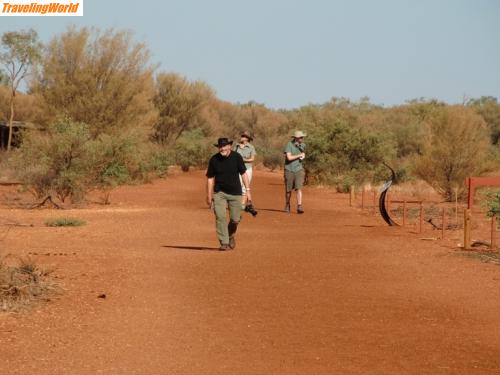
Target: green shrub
{"x":490,"y":201}
{"x":64,"y":222}
{"x":457,"y":146}
{"x":340,"y":154}
{"x":66,"y":162}
{"x":272,"y":158}
{"x":192,"y":149}
{"x":55,"y":162}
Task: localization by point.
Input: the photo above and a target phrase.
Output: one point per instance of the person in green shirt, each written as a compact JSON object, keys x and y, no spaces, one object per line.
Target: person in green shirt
{"x":247,"y":152}
{"x":294,"y":169}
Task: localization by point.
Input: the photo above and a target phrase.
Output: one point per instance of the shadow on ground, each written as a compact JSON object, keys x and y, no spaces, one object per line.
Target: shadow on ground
{"x":198,"y":248}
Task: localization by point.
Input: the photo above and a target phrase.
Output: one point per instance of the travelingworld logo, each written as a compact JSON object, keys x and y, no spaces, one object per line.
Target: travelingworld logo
{"x":16,"y":8}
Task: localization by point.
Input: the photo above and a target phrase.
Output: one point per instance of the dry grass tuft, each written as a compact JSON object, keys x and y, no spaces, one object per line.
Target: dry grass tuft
{"x":23,"y":283}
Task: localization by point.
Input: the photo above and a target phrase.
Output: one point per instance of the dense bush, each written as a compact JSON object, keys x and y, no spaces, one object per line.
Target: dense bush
{"x":491,"y":202}
{"x":66,"y":162}
{"x":341,"y":154}
{"x":272,"y":158}
{"x":457,"y":145}
{"x":55,"y":162}
{"x":192,"y":149}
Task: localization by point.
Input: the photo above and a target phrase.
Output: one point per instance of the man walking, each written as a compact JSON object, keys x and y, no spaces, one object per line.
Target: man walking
{"x":224,"y":190}
{"x":294,"y":170}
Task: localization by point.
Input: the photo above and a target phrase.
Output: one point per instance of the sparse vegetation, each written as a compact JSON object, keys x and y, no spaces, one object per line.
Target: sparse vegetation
{"x":65,"y":222}
{"x":108,"y":118}
{"x":491,"y":202}
{"x":23,"y":283}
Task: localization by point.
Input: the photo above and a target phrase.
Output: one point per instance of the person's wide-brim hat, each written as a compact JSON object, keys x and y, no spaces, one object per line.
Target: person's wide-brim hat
{"x":246,"y":134}
{"x":221,"y":142}
{"x":299,"y":134}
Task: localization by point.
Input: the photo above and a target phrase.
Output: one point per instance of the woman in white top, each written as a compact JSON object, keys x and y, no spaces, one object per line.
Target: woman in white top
{"x":247,"y":151}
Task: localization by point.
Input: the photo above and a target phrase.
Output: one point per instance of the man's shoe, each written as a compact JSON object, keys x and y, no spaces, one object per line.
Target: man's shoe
{"x":300,"y":210}
{"x":232,"y":242}
{"x":287,"y":208}
{"x":224,"y":247}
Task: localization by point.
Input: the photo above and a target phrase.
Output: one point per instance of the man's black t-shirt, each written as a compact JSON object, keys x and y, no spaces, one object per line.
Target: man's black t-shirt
{"x":226,"y":170}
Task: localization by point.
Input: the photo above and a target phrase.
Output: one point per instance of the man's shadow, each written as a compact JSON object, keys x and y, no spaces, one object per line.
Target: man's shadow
{"x":196,"y":248}
{"x":270,"y":210}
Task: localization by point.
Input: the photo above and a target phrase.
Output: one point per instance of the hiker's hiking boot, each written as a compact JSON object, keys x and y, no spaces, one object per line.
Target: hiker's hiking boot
{"x":287,"y":208}
{"x":300,"y":210}
{"x":224,"y":247}
{"x":231,"y":229}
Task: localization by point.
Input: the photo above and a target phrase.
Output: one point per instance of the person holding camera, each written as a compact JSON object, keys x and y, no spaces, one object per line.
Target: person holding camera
{"x":224,"y":190}
{"x":247,"y":152}
{"x":294,"y":169}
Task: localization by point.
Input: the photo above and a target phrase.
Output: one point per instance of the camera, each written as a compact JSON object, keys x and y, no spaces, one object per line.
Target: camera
{"x":250,"y":209}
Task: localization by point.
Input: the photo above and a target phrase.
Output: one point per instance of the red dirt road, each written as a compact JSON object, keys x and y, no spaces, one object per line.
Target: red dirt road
{"x":328,"y":292}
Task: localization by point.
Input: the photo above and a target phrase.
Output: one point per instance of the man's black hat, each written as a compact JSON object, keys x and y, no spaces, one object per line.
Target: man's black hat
{"x":221,"y":142}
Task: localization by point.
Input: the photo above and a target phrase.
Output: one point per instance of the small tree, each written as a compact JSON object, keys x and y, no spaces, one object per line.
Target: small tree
{"x":103,"y":79}
{"x":55,"y":163}
{"x":456,"y":146}
{"x":192,"y":150}
{"x":180,"y":104}
{"x":21,"y":50}
{"x":489,"y":108}
{"x":66,"y":162}
{"x":491,"y":202}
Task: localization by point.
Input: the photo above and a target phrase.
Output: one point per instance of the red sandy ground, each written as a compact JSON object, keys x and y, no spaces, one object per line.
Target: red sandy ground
{"x":328,"y":292}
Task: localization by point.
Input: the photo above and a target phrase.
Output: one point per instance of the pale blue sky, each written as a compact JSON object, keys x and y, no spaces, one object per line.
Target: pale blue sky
{"x":287,"y":53}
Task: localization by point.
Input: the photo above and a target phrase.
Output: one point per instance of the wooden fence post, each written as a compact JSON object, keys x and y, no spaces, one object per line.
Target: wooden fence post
{"x":352,"y":196}
{"x":467,"y":223}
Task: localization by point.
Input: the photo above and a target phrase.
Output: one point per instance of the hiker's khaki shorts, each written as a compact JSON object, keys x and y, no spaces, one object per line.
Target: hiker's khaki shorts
{"x":294,"y":180}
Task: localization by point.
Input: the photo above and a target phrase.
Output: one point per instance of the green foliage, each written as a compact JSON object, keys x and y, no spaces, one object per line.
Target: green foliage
{"x":272,"y":158}
{"x":100,"y":78}
{"x":180,"y":104}
{"x":64,"y":222}
{"x":457,"y":145}
{"x":21,"y":49}
{"x":339,"y":153}
{"x":192,"y":150}
{"x":55,"y":163}
{"x":491,"y":202}
{"x":489,"y":108}
{"x":66,"y":162}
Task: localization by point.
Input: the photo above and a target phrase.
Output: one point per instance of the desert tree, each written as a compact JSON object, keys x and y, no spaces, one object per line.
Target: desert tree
{"x":180,"y":104}
{"x":456,"y":146}
{"x":20,"y":51}
{"x":489,"y":108}
{"x":100,"y":78}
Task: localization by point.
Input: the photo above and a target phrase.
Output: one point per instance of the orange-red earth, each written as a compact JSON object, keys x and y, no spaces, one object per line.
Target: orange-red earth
{"x":332,"y":291}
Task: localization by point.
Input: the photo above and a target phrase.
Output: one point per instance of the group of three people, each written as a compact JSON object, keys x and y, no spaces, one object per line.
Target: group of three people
{"x":229,"y":175}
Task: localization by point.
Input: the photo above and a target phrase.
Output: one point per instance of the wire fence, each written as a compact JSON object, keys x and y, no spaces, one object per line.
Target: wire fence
{"x":433,"y":219}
